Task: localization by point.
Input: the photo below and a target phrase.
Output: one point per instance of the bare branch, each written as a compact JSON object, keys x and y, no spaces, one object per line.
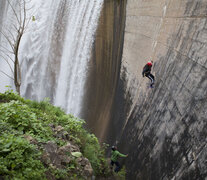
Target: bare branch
{"x":9,"y":41}
{"x":7,"y":63}
{"x":6,"y":74}
{"x":29,"y":9}
{"x":25,"y":16}
{"x":20,"y":13}
{"x":11,"y":35}
{"x":16,"y":32}
{"x":14,"y":26}
{"x":5,"y":49}
{"x":14,"y":11}
{"x":9,"y":58}
{"x":29,"y":20}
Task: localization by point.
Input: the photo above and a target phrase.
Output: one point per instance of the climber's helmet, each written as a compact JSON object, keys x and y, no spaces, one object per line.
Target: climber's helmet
{"x":149,"y":63}
{"x":113,"y":148}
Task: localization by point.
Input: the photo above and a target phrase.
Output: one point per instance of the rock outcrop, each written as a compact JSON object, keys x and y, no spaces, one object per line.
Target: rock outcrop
{"x":59,"y":158}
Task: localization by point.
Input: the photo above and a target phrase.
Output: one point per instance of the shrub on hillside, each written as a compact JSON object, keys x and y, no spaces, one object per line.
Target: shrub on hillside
{"x":20,"y":118}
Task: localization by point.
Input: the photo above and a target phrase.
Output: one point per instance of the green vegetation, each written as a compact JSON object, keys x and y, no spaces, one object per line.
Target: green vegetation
{"x":21,"y":159}
{"x":121,"y":174}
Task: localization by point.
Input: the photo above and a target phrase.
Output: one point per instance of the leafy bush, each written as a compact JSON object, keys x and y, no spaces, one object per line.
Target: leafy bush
{"x":19,"y":117}
{"x":94,"y":152}
{"x":19,"y":159}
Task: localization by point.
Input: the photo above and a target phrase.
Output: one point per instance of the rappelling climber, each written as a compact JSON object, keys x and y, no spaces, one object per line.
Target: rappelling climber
{"x":147,"y":72}
{"x":114,"y":157}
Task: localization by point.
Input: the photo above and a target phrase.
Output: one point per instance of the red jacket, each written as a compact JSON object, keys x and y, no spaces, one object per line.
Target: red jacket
{"x":146,"y":69}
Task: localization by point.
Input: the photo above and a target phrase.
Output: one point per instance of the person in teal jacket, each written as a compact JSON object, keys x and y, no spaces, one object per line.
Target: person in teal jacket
{"x":114,"y":158}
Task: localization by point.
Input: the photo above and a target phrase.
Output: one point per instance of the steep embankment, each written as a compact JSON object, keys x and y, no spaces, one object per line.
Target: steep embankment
{"x":39,"y":141}
{"x":163,"y":129}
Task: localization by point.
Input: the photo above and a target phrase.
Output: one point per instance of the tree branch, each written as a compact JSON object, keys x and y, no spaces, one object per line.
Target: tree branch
{"x":5,"y":49}
{"x":7,"y":63}
{"x":11,"y":35}
{"x":25,"y":16}
{"x":19,"y":28}
{"x":14,"y":11}
{"x":9,"y":41}
{"x":27,"y":23}
{"x":9,"y":58}
{"x":6,"y":74}
{"x":14,"y":26}
{"x":20,"y":12}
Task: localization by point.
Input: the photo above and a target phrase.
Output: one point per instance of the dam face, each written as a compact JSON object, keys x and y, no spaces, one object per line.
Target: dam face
{"x":88,"y":57}
{"x":163,"y":129}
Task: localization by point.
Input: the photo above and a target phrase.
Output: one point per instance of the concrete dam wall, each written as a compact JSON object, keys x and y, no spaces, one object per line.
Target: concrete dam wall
{"x":162,"y":129}
{"x":105,"y":68}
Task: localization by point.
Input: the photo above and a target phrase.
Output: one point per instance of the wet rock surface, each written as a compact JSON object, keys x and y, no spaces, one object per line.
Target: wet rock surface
{"x":105,"y":67}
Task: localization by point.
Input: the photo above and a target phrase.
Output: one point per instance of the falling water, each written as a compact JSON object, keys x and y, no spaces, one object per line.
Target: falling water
{"x":5,"y":55}
{"x":83,"y":21}
{"x":55,"y":51}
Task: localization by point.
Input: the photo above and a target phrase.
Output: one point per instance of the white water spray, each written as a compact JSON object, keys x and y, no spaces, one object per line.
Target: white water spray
{"x":5,"y":49}
{"x":81,"y":28}
{"x":55,"y":51}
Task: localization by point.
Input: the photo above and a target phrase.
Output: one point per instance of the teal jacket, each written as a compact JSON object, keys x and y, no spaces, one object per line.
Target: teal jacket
{"x":115,"y":154}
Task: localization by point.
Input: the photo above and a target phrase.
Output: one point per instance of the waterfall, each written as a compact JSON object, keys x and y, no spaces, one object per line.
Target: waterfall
{"x":55,"y":51}
{"x":5,"y":64}
{"x":81,"y":27}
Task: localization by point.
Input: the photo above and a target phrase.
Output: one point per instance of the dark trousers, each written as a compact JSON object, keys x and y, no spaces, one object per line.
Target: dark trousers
{"x":151,"y":77}
{"x":118,"y":167}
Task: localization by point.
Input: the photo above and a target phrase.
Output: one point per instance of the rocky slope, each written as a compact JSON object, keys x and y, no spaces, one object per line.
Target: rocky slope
{"x":163,"y":129}
{"x":39,"y":141}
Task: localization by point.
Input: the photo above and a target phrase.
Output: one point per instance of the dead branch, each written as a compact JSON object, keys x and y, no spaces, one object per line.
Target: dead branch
{"x":20,"y":13}
{"x":9,"y":57}
{"x":12,"y":36}
{"x":14,"y":26}
{"x":14,"y":40}
{"x":7,"y":63}
{"x":14,"y":11}
{"x":25,"y":16}
{"x":5,"y":49}
{"x":27,"y":24}
{"x":9,"y":41}
{"x":6,"y":74}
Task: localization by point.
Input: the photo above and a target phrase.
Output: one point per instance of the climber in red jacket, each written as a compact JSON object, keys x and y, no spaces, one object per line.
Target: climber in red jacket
{"x":147,"y":72}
